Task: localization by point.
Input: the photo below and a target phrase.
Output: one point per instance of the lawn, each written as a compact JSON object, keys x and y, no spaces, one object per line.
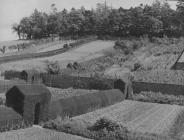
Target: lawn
{"x":37,"y":133}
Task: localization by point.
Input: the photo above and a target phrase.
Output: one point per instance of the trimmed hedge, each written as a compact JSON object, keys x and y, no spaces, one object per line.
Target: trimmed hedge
{"x":160,"y":76}
{"x":66,"y":81}
{"x":12,"y":74}
{"x":10,"y":120}
{"x":78,"y":105}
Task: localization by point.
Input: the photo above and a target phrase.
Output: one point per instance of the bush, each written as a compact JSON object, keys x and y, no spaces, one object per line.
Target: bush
{"x":53,"y":68}
{"x":137,"y":66}
{"x":65,"y":46}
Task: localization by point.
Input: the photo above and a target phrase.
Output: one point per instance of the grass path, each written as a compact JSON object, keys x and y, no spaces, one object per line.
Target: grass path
{"x":37,"y":133}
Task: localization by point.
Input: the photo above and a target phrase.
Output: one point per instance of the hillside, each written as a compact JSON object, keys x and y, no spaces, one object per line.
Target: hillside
{"x":83,"y":53}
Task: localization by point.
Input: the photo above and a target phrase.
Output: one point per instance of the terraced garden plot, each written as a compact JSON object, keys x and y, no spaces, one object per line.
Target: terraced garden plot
{"x":65,"y":93}
{"x":138,"y":116}
{"x":36,"y":133}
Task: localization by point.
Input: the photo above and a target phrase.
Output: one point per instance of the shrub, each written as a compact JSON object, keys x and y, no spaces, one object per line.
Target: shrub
{"x":53,"y":68}
{"x":137,"y":66}
{"x":69,"y":65}
{"x":65,"y":46}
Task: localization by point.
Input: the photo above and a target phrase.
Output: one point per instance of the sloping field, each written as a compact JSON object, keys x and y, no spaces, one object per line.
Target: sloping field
{"x":85,"y":52}
{"x":36,"y":133}
{"x":138,"y":116}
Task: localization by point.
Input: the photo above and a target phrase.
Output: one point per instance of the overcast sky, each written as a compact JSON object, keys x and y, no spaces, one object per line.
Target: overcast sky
{"x":11,"y":11}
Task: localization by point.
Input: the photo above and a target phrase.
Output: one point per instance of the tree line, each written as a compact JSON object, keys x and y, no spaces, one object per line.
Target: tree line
{"x":157,"y":19}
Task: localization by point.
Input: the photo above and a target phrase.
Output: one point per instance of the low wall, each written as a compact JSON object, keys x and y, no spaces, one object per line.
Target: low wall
{"x":77,"y":105}
{"x":170,"y":89}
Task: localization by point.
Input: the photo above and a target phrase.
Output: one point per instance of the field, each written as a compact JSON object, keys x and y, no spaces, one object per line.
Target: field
{"x":37,"y":133}
{"x":138,"y":116}
{"x":85,"y":52}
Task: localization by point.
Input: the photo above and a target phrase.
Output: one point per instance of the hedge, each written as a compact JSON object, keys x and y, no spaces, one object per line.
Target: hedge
{"x":67,"y":81}
{"x":160,"y":76}
{"x":11,"y":74}
{"x":10,"y":120}
{"x":78,"y":105}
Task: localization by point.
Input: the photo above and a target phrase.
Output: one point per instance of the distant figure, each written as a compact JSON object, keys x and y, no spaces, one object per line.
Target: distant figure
{"x":32,"y":79}
{"x":125,"y":87}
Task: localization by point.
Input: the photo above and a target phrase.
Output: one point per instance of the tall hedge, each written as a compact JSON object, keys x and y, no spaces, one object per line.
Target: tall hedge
{"x":67,"y":81}
{"x":78,"y":105}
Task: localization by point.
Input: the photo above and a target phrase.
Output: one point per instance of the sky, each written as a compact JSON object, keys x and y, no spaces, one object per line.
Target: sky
{"x":11,"y":11}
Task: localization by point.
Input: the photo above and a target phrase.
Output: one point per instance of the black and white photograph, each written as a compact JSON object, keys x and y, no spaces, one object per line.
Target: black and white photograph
{"x":91,"y":69}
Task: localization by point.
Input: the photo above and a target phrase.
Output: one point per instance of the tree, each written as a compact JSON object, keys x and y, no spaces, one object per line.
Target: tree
{"x":17,"y":28}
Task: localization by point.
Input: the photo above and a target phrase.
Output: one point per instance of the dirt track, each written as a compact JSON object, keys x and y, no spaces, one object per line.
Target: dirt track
{"x":83,"y":53}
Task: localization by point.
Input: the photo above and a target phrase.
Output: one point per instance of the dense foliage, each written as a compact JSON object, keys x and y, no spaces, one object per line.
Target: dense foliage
{"x":157,"y":19}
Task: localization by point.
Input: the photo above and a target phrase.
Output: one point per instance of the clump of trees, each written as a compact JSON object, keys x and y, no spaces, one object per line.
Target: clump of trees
{"x":157,"y":19}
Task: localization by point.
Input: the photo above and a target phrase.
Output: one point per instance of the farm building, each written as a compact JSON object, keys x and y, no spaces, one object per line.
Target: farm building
{"x":31,"y":101}
{"x":31,"y":76}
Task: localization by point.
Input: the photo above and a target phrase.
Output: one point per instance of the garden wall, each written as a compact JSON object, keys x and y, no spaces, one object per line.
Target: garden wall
{"x":78,"y":105}
{"x":170,"y":89}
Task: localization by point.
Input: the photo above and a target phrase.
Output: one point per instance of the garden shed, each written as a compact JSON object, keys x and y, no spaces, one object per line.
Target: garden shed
{"x":31,"y":101}
{"x":31,"y":76}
